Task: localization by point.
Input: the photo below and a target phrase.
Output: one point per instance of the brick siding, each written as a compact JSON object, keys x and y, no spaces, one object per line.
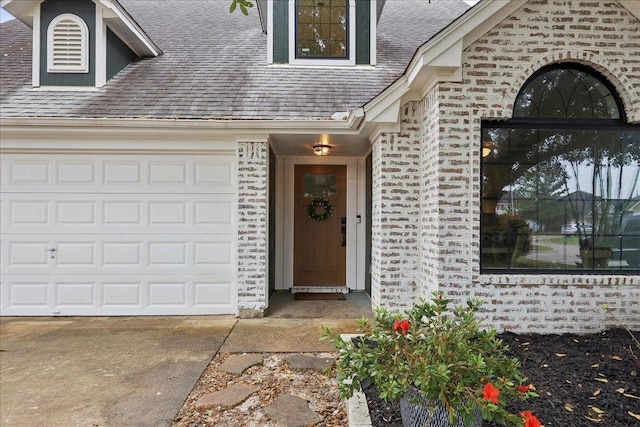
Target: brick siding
{"x":599,"y":34}
{"x":252,"y":228}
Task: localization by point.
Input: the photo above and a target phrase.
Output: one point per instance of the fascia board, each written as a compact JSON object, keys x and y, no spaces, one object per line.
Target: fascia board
{"x":128,"y":30}
{"x":172,"y":128}
{"x":140,"y":136}
{"x":445,"y":48}
{"x":439,"y":58}
{"x":385,"y":108}
{"x":263,"y":13}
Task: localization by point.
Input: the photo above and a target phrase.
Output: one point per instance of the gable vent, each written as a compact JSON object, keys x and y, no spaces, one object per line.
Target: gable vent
{"x":67,"y":45}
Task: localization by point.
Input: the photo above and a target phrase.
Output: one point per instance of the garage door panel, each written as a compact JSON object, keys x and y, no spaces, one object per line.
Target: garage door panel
{"x":118,"y":234}
{"x":217,"y":173}
{"x":116,"y":173}
{"x":123,"y":173}
{"x":76,"y":254}
{"x":122,"y":294}
{"x":115,"y":254}
{"x":124,"y":213}
{"x":74,"y":294}
{"x":27,"y":295}
{"x":31,"y":255}
{"x":117,"y":295}
{"x":208,"y":294}
{"x":77,"y":172}
{"x":25,"y":173}
{"x":165,"y":212}
{"x":121,"y":254}
{"x":29,"y":212}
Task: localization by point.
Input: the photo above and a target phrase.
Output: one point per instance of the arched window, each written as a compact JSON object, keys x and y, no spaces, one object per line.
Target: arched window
{"x":67,"y":45}
{"x":560,"y":180}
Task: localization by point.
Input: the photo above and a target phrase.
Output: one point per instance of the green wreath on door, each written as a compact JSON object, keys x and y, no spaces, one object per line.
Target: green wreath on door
{"x":325,"y":212}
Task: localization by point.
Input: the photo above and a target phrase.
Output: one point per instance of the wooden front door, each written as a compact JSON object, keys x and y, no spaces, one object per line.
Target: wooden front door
{"x":320,"y":247}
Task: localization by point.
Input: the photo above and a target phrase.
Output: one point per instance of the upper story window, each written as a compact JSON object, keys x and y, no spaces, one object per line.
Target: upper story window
{"x":323,"y":32}
{"x":67,"y":45}
{"x":561,"y":179}
{"x":322,"y":29}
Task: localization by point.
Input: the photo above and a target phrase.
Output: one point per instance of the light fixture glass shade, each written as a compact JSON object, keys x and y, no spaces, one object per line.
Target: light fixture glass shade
{"x":487,"y":148}
{"x":321,"y":150}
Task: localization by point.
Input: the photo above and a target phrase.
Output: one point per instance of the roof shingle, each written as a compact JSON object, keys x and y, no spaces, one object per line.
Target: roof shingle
{"x":214,"y":67}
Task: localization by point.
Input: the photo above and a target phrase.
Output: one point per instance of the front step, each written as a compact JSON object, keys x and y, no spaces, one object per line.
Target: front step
{"x":319,"y":289}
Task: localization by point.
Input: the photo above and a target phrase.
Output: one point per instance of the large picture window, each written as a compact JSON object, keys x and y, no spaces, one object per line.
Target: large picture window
{"x":322,"y":29}
{"x":560,"y":180}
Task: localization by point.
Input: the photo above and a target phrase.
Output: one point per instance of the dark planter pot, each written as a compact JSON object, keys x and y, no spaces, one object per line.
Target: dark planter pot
{"x":417,"y":411}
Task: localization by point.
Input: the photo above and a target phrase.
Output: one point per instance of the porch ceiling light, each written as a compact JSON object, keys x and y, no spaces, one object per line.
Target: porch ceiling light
{"x":321,"y":149}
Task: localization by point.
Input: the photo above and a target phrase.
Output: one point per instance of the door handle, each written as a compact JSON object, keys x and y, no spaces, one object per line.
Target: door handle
{"x":52,"y":252}
{"x":343,"y":226}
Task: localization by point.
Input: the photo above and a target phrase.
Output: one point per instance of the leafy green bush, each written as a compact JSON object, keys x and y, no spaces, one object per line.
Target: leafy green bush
{"x":442,"y":352}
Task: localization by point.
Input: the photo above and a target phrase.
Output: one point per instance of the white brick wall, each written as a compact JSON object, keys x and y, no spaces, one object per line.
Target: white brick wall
{"x":396,"y":213}
{"x":252,"y":228}
{"x":600,"y":34}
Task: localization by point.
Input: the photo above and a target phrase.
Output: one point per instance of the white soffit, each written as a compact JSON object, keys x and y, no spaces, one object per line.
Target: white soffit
{"x":23,"y":9}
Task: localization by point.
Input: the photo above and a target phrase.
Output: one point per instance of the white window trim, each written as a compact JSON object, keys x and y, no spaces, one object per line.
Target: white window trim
{"x":35,"y":55}
{"x":101,"y":47}
{"x":373,"y":33}
{"x":84,"y":45}
{"x":351,"y":60}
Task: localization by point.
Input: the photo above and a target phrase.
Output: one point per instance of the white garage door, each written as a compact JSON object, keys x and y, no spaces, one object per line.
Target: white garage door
{"x":118,"y":234}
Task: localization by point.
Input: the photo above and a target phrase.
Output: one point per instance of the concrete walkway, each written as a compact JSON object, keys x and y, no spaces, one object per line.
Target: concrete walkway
{"x":137,"y":371}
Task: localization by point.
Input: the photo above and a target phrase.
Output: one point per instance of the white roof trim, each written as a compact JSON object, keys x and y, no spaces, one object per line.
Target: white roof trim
{"x":440,"y":58}
{"x":231,"y":127}
{"x":128,"y":30}
{"x":120,"y":23}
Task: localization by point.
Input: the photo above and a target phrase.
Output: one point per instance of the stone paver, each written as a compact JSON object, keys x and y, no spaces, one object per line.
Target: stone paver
{"x":302,"y":362}
{"x":227,"y":398}
{"x":237,"y":363}
{"x":292,"y":411}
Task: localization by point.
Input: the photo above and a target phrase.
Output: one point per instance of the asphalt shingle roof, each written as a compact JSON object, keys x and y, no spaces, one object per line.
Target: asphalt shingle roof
{"x":214,"y":67}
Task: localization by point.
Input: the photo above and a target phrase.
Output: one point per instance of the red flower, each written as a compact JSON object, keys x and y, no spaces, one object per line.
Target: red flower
{"x":402,"y":325}
{"x":524,"y":388}
{"x":530,"y":420}
{"x":490,"y":393}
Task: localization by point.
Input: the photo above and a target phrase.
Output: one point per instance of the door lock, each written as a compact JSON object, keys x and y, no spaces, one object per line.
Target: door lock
{"x":52,"y":252}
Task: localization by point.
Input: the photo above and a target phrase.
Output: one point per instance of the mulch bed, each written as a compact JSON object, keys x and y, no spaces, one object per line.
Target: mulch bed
{"x":582,"y":380}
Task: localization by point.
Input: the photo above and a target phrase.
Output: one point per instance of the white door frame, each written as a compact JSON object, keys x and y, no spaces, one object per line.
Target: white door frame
{"x":356,"y":186}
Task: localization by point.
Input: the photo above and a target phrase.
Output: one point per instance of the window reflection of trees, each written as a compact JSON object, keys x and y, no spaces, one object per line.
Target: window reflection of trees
{"x":565,"y":158}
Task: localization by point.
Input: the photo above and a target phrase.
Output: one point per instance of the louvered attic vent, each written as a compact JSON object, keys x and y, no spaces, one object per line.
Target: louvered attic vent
{"x":67,"y":45}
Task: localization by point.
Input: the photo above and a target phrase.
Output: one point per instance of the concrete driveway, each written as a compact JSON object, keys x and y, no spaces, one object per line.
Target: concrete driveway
{"x":103,"y":371}
{"x":137,"y":371}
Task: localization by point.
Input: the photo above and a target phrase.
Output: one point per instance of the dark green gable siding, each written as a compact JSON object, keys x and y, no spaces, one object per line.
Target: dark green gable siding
{"x":281,"y":31}
{"x":363,"y":32}
{"x":86,"y":10}
{"x":118,"y":54}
